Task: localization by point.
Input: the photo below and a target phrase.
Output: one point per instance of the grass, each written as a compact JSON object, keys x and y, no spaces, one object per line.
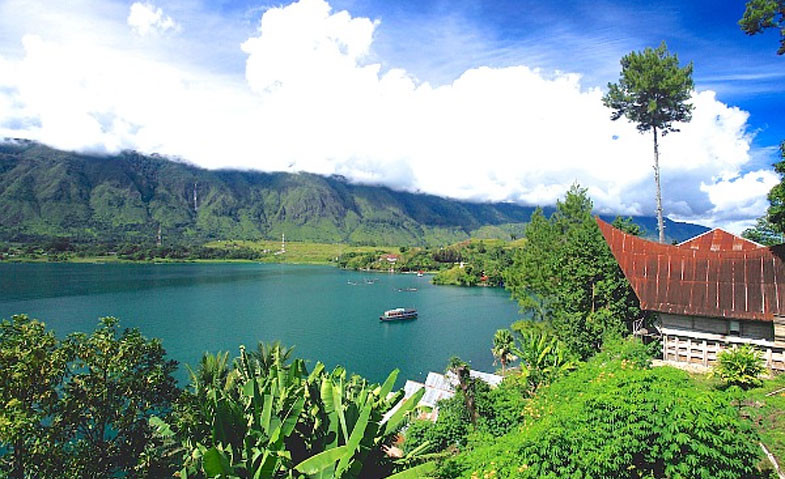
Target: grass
{"x":766,"y":413}
{"x":300,"y":252}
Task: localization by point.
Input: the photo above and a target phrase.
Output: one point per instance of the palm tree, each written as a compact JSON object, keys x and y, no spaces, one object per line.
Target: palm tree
{"x":214,"y":374}
{"x":503,"y":344}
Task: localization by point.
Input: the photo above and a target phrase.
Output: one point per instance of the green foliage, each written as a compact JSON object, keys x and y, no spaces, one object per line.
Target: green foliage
{"x":567,"y":276}
{"x":124,"y":198}
{"x":80,"y":408}
{"x":628,"y":226}
{"x":498,"y":411}
{"x":501,"y":408}
{"x":457,"y":276}
{"x":268,"y":417}
{"x":740,"y":366}
{"x":765,"y":406}
{"x":484,"y":261}
{"x":761,"y":15}
{"x":543,"y":357}
{"x":611,"y":418}
{"x":462,"y":371}
{"x":764,"y":232}
{"x":776,"y":211}
{"x":629,"y":350}
{"x":652,"y":91}
{"x":503,"y":344}
{"x":32,"y":367}
{"x":450,"y":430}
{"x":118,"y":380}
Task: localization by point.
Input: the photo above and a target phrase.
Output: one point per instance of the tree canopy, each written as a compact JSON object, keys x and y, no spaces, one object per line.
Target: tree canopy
{"x":763,"y":232}
{"x":566,"y":275}
{"x":761,"y":15}
{"x":776,"y":211}
{"x":32,"y":366}
{"x":652,"y":92}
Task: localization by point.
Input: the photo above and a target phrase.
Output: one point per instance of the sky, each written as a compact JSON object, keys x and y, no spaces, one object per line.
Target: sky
{"x":476,"y":100}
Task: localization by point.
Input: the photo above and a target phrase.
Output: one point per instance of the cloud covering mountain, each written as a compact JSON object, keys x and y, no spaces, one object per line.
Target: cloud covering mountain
{"x":316,"y":98}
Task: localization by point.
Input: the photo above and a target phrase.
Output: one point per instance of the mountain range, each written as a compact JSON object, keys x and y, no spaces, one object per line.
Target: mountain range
{"x":127,"y":197}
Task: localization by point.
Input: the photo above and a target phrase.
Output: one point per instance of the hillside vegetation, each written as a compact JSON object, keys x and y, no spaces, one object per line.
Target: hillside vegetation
{"x":466,"y":263}
{"x":46,"y":193}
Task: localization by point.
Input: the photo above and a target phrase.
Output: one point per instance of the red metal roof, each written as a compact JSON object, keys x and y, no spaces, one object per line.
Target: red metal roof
{"x":719,"y":240}
{"x":697,"y":279}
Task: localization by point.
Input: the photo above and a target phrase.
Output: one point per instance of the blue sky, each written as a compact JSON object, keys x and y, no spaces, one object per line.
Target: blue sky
{"x":476,"y":100}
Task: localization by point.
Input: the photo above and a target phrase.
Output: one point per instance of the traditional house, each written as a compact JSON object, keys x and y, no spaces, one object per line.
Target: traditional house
{"x":712,"y":292}
{"x":390,"y":258}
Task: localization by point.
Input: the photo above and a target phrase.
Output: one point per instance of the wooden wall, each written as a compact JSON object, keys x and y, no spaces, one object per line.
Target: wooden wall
{"x":704,"y":351}
{"x":779,"y":331}
{"x":763,"y":330}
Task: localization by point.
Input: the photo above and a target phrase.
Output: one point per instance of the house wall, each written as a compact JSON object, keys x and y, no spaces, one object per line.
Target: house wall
{"x":747,"y":329}
{"x":698,"y":340}
{"x":779,"y":331}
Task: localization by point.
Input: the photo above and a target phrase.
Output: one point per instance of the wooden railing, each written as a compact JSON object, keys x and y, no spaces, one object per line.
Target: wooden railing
{"x":702,"y":348}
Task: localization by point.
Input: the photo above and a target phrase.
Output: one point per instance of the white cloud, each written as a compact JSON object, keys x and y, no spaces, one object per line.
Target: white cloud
{"x":313,"y":101}
{"x":145,"y":19}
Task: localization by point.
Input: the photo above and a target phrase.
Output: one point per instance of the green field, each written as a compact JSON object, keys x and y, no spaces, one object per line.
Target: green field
{"x":300,"y":252}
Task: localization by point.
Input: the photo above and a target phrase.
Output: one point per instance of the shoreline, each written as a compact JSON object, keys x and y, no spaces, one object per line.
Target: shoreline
{"x":115,"y":260}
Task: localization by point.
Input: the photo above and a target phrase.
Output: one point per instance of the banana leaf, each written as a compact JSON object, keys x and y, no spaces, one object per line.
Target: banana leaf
{"x":418,"y":472}
{"x":395,"y":420}
{"x":357,"y":435}
{"x":319,"y":462}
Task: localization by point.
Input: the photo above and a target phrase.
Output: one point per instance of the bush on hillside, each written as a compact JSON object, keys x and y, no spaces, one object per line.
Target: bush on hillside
{"x":740,"y":366}
{"x":614,"y":418}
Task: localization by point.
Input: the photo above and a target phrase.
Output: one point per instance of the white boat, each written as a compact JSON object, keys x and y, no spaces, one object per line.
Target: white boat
{"x":398,"y":314}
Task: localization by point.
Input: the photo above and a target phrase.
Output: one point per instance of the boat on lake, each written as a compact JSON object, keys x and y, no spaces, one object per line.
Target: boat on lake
{"x":398,"y":314}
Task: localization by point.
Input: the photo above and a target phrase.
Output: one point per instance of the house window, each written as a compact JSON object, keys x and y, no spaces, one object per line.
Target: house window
{"x":733,"y":328}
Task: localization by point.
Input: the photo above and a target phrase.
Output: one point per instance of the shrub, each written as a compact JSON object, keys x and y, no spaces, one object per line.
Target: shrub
{"x":740,"y":366}
{"x":501,"y":409}
{"x":630,"y":349}
{"x":615,"y":419}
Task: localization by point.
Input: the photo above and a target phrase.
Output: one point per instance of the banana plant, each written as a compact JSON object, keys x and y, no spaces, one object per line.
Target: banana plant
{"x":280,"y":421}
{"x":355,"y":425}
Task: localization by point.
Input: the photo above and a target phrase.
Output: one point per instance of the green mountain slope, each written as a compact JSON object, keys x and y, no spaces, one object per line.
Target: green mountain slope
{"x":126,"y":197}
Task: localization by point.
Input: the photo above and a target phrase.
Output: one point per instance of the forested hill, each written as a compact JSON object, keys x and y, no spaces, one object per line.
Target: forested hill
{"x":48,"y":193}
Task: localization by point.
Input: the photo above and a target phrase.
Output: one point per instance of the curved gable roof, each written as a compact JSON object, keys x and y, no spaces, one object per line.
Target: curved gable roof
{"x":719,"y":240}
{"x":731,"y":280}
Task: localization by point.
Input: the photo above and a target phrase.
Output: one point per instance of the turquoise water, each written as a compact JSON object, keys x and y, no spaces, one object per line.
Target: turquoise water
{"x":215,"y":307}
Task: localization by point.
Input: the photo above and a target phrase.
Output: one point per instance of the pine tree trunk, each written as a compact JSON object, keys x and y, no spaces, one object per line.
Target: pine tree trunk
{"x":660,"y":223}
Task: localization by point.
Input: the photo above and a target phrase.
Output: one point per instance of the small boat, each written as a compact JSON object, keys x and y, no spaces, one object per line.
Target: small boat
{"x":407,"y":290}
{"x":398,"y":313}
{"x":419,"y":274}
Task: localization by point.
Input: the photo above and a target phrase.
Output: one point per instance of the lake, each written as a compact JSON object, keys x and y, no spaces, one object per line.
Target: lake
{"x":216,"y":307}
